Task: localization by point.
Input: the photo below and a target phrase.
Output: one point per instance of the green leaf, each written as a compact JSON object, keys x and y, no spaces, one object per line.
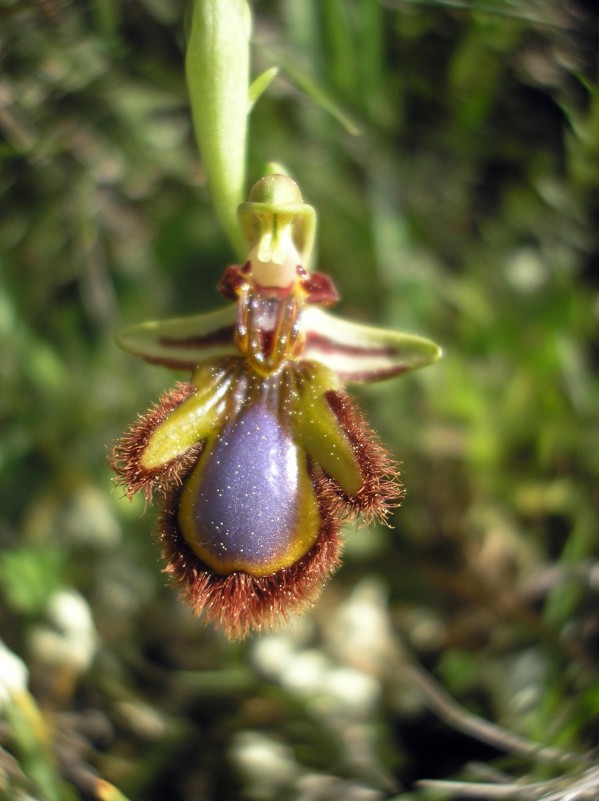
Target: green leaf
{"x":108,"y":792}
{"x":29,"y":577}
{"x":308,"y":84}
{"x":261,"y":84}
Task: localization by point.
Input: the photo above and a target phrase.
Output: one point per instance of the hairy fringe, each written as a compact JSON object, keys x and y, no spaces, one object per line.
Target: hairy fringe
{"x":239,"y":603}
{"x":126,"y":455}
{"x":381,"y":489}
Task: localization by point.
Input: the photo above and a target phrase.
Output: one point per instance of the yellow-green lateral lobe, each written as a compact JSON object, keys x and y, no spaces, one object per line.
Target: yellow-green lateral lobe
{"x":318,"y":431}
{"x":192,"y":421}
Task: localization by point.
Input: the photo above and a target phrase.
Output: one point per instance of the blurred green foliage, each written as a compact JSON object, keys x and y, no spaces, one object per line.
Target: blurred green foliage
{"x":452,"y":151}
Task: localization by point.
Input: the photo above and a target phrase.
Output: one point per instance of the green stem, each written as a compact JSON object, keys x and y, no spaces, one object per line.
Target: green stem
{"x":217,"y":65}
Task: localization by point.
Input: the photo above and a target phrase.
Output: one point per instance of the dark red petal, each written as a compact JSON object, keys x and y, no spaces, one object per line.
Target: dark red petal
{"x":320,"y":288}
{"x":231,"y":280}
{"x":126,"y":455}
{"x":240,"y":603}
{"x":381,"y":489}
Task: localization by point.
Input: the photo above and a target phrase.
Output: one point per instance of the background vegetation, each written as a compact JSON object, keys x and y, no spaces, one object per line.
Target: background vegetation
{"x":452,"y":150}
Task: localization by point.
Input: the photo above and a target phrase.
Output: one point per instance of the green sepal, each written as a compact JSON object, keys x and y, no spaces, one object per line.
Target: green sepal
{"x":182,"y":342}
{"x":356,"y":353}
{"x":361,"y":353}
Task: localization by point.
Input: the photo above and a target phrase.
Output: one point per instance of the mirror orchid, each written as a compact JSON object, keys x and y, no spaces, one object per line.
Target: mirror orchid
{"x":260,"y":456}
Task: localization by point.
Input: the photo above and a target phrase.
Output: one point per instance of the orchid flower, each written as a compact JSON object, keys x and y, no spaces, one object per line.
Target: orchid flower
{"x":262,"y":454}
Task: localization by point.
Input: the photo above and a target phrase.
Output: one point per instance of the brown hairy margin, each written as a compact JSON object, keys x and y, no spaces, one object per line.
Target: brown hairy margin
{"x":125,"y":456}
{"x":240,"y":603}
{"x":381,"y":488}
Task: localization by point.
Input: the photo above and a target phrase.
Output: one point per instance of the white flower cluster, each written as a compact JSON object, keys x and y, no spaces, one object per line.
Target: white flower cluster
{"x":340,"y":685}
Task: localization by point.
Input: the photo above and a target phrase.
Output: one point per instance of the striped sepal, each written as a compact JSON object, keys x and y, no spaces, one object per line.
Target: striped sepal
{"x":362,"y":353}
{"x":182,"y":343}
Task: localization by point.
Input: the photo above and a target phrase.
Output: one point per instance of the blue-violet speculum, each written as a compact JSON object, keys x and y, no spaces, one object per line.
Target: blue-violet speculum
{"x":260,"y":456}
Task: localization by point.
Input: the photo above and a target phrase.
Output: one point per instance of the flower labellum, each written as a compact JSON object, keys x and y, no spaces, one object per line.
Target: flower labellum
{"x":260,"y":456}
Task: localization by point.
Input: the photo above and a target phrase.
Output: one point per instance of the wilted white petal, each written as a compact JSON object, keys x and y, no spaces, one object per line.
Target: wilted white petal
{"x":352,"y":692}
{"x":73,"y":640}
{"x":265,"y":764}
{"x":360,"y":632}
{"x":273,"y":655}
{"x":306,"y":674}
{"x":13,"y":674}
